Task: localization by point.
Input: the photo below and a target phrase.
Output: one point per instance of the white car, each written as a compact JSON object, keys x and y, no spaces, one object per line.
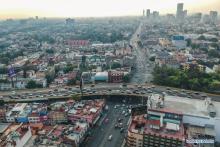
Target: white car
{"x":110,"y":138}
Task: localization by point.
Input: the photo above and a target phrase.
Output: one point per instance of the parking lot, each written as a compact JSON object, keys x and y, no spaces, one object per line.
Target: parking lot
{"x":112,"y":123}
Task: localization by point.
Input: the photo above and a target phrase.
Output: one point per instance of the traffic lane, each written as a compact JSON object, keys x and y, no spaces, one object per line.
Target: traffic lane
{"x":118,"y":137}
{"x":111,"y":130}
{"x":102,"y":132}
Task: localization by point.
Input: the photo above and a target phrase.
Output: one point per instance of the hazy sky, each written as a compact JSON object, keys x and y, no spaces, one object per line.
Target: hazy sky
{"x":87,"y":8}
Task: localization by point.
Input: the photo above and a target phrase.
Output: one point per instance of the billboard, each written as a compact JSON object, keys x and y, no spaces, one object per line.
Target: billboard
{"x":178,"y":37}
{"x":11,"y":72}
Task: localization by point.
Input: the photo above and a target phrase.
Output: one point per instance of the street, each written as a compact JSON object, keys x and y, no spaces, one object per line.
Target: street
{"x":144,"y":68}
{"x":104,"y":128}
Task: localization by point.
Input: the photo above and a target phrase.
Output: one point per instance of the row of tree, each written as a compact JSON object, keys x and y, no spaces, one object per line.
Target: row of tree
{"x":193,"y":80}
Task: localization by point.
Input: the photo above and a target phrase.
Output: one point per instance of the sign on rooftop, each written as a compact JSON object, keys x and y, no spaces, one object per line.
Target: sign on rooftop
{"x":11,"y":72}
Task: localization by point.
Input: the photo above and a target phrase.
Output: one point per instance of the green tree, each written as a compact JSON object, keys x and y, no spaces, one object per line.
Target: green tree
{"x":71,"y":82}
{"x":213,"y":40}
{"x":126,"y":78}
{"x":116,"y":65}
{"x":32,"y":84}
{"x":214,"y":53}
{"x":215,"y":85}
{"x":189,"y":42}
{"x":152,"y":58}
{"x":76,"y":97}
{"x":201,"y":37}
{"x":4,"y":60}
{"x":49,"y":78}
{"x":49,"y":51}
{"x":68,"y":68}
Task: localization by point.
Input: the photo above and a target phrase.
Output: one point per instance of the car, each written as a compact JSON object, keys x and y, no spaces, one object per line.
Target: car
{"x":139,"y":86}
{"x":93,"y":85}
{"x":142,"y":92}
{"x":120,"y":125}
{"x":123,"y":112}
{"x":110,"y":137}
{"x":149,"y":91}
{"x":120,"y":119}
{"x":196,"y":93}
{"x":126,"y":114}
{"x":122,"y":130}
{"x":116,"y":126}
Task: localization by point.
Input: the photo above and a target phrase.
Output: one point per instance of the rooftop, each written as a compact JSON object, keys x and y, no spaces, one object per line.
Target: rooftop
{"x":142,"y":125}
{"x":190,"y":106}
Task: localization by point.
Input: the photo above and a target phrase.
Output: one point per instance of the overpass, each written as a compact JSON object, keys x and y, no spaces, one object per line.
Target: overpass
{"x":119,"y":97}
{"x":101,"y":92}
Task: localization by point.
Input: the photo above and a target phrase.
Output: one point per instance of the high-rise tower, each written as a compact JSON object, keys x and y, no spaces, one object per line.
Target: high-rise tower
{"x":179,"y":12}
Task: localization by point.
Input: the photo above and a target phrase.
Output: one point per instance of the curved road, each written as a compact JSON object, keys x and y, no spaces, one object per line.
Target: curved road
{"x":144,"y":68}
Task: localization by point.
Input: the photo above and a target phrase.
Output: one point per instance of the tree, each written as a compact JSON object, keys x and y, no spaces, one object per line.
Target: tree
{"x":215,"y":85}
{"x":49,"y":78}
{"x":4,"y":60}
{"x":71,"y":82}
{"x":49,"y":51}
{"x":192,"y":79}
{"x":32,"y":84}
{"x":213,"y":40}
{"x":201,"y":37}
{"x":152,"y":58}
{"x":189,"y":42}
{"x":126,"y":78}
{"x":194,"y":46}
{"x":76,"y":97}
{"x":214,"y":53}
{"x":116,"y":65}
{"x":68,"y":68}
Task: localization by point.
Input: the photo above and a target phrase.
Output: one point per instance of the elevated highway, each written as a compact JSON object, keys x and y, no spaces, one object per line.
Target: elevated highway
{"x":99,"y":91}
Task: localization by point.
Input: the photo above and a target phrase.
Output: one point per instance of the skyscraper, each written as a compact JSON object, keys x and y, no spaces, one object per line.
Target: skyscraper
{"x":179,"y":12}
{"x":148,"y":13}
{"x":185,"y":13}
{"x":213,"y":16}
{"x":143,"y":12}
{"x":155,"y":14}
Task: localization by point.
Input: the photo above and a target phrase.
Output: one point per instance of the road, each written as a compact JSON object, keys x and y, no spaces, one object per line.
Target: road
{"x":102,"y":132}
{"x":99,"y":88}
{"x":144,"y":68}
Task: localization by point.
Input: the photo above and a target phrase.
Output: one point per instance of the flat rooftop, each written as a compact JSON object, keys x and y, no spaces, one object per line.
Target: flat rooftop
{"x":188,"y":105}
{"x":141,"y":125}
{"x":4,"y":126}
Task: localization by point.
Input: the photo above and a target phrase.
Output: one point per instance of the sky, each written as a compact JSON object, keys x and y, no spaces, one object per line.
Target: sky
{"x":98,"y":8}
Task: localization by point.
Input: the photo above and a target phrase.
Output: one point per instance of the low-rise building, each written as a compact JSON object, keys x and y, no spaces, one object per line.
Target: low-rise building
{"x":115,"y":76}
{"x":191,"y":66}
{"x":15,"y":136}
{"x":157,"y":128}
{"x":88,"y":111}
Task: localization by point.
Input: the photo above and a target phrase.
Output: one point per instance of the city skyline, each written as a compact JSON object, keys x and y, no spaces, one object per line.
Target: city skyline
{"x":98,"y":8}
